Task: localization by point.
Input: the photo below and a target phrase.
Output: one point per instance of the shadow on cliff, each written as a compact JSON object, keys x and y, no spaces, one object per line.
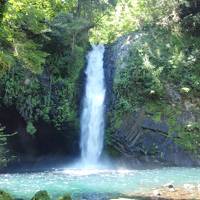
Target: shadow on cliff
{"x":47,"y":148}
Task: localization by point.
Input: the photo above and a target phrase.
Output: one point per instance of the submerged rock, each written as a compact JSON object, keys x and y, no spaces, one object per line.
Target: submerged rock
{"x":41,"y":195}
{"x":65,"y":197}
{"x":5,"y":196}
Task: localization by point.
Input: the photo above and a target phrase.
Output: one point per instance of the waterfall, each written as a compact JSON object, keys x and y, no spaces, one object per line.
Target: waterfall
{"x":92,"y":118}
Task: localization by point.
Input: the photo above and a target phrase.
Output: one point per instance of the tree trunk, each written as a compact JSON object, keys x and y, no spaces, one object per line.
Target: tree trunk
{"x":78,"y":9}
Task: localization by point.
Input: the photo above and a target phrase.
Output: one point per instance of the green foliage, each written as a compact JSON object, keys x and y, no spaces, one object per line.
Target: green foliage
{"x":21,"y":23}
{"x":190,"y":137}
{"x":93,"y":11}
{"x":158,"y":57}
{"x":30,"y":128}
{"x":53,"y":101}
{"x":31,"y":58}
{"x":158,"y":54}
{"x":155,"y":57}
{"x":21,"y":89}
{"x":131,"y":15}
{"x":42,"y":50}
{"x":6,"y":61}
{"x":66,"y":47}
{"x":187,"y":133}
{"x":43,"y":44}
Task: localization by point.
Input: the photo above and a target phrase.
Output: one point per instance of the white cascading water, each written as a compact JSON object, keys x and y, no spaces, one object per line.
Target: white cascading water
{"x":92,"y":118}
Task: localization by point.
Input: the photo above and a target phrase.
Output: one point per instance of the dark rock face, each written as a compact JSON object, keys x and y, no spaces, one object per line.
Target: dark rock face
{"x":109,"y":71}
{"x":148,"y":123}
{"x":144,"y":140}
{"x":48,"y":145}
{"x":13,"y":122}
{"x":189,"y":13}
{"x":192,"y":9}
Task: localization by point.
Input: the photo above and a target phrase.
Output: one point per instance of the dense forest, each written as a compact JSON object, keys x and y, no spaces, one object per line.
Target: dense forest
{"x":43,"y":44}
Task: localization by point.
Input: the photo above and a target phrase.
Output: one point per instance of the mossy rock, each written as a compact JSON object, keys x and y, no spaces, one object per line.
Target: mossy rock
{"x":65,"y":197}
{"x":41,"y":195}
{"x":5,"y":196}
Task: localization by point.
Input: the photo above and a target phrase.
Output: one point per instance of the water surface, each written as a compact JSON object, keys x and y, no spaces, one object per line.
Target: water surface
{"x":79,"y":182}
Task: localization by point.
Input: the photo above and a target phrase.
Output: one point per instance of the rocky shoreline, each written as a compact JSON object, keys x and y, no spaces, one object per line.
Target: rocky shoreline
{"x":167,"y":192}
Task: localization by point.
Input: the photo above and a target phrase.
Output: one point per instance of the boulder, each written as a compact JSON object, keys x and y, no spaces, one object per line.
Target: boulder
{"x":41,"y":195}
{"x":5,"y":196}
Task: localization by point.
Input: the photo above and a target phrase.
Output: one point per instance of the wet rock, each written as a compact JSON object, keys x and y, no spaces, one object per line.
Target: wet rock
{"x":170,"y":186}
{"x":109,"y":71}
{"x":5,"y":196}
{"x":147,"y":141}
{"x":159,"y":126}
{"x":156,"y":193}
{"x":186,"y":117}
{"x":65,"y":197}
{"x":41,"y":195}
